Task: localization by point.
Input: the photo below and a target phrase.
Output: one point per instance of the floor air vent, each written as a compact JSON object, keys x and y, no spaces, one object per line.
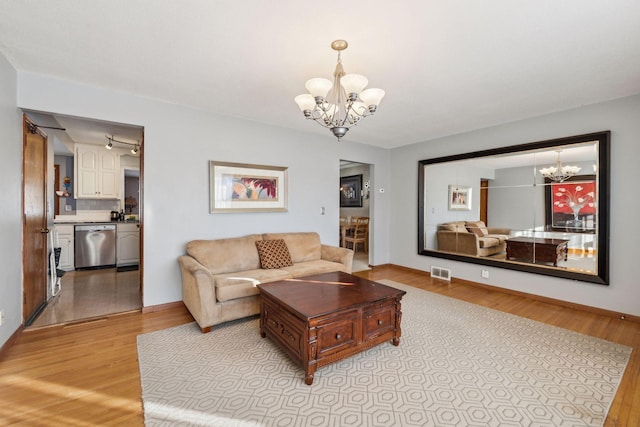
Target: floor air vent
{"x":440,"y":273}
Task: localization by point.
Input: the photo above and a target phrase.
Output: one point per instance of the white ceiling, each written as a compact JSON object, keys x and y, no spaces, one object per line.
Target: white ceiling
{"x":446,"y":66}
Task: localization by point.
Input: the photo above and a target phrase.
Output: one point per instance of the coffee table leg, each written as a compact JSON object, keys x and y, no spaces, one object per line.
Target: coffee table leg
{"x":308,"y":379}
{"x":398,"y":332}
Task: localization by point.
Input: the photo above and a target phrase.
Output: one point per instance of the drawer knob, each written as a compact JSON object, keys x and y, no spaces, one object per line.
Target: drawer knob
{"x":379,"y":322}
{"x":338,"y":336}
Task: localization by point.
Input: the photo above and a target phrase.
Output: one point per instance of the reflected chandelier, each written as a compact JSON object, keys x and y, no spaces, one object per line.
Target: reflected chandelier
{"x":559,"y":173}
{"x":340,"y":104}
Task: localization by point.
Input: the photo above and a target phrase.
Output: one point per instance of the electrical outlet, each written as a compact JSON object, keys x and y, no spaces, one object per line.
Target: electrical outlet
{"x":67,"y":208}
{"x":485,"y":274}
{"x":1,"y":317}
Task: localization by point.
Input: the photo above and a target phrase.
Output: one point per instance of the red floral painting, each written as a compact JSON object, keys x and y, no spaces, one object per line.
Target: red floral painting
{"x":574,"y":198}
{"x":254,"y":188}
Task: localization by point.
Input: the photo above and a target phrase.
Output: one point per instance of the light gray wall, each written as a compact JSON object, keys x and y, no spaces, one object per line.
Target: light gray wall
{"x":619,"y":116}
{"x":513,"y":202}
{"x":66,"y":169}
{"x":180,"y":141}
{"x":10,"y":206}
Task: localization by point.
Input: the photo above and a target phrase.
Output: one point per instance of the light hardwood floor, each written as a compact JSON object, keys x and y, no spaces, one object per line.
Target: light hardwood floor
{"x":87,"y":374}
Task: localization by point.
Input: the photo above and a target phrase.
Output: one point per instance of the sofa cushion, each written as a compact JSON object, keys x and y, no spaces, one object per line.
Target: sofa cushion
{"x":273,"y":253}
{"x":302,"y":246}
{"x":240,"y":284}
{"x":458,"y":226}
{"x":226,"y":255}
{"x":488,"y":242}
{"x":477,"y":227}
{"x":308,"y":268}
{"x":501,"y":237}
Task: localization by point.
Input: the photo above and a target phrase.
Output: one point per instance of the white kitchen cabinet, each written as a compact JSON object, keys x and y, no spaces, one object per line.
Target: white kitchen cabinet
{"x":97,"y":172}
{"x":128,"y":244}
{"x":66,"y":243}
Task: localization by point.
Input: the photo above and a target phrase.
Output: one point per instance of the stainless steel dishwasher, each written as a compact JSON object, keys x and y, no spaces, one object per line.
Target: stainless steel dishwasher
{"x":95,"y":245}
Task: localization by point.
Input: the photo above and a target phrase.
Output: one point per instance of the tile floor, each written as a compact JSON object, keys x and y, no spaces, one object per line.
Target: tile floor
{"x":360,"y":262}
{"x":92,"y":293}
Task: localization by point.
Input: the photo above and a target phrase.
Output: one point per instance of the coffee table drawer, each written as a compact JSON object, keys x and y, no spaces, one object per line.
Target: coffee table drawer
{"x":379,"y":320}
{"x":338,"y":335}
{"x":289,"y":333}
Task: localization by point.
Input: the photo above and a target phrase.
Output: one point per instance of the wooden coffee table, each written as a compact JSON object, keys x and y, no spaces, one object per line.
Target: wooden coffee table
{"x":324,"y":318}
{"x":537,"y":249}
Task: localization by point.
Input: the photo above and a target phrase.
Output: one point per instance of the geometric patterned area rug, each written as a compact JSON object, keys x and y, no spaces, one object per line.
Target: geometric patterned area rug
{"x":458,"y":364}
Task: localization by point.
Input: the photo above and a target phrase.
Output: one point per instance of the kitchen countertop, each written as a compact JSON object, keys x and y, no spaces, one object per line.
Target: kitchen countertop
{"x":94,"y":222}
{"x":91,"y":217}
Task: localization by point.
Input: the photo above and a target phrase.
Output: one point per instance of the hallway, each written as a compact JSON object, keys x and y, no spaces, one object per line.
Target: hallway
{"x":88,"y":294}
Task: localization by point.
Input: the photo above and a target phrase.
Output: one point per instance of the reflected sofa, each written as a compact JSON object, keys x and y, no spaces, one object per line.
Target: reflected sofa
{"x":219,"y":277}
{"x":472,"y":238}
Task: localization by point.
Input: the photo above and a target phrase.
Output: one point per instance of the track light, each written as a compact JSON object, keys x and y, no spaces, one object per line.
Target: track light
{"x":111,"y":139}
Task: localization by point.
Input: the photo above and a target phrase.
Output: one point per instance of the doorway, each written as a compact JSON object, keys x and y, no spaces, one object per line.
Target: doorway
{"x":360,"y":174}
{"x":88,"y":293}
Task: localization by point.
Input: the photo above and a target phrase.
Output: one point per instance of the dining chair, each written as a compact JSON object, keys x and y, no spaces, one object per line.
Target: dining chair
{"x":360,"y":235}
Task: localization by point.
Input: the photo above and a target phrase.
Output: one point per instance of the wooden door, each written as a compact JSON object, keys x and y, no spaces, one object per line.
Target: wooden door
{"x":34,"y":229}
{"x":484,"y":199}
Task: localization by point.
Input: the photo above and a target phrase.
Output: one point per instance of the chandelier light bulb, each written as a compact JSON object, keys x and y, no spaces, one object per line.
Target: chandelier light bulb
{"x":372,"y":97}
{"x":306,"y":102}
{"x":354,"y":83}
{"x":318,"y":87}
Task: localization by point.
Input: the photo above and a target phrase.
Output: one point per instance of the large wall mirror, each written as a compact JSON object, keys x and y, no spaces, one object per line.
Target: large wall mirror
{"x":539,"y":207}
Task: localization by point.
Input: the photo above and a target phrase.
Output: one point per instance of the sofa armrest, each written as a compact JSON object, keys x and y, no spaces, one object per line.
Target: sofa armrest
{"x":337,"y":254}
{"x":498,"y":230}
{"x":198,"y":291}
{"x":460,"y":243}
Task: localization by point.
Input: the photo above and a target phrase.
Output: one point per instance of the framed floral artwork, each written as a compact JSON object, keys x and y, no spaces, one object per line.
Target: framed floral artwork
{"x":459,"y":198}
{"x":240,"y":187}
{"x":572,"y":205}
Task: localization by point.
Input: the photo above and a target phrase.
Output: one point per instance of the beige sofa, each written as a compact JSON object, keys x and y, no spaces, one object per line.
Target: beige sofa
{"x":472,"y":238}
{"x":219,"y":277}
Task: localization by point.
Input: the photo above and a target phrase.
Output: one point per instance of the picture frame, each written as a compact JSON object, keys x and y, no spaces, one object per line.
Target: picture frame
{"x":242,"y":187}
{"x":351,"y":191}
{"x":571,"y":206}
{"x":459,"y":198}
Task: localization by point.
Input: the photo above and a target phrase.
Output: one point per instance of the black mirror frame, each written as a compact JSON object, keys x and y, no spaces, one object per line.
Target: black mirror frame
{"x":604,"y":141}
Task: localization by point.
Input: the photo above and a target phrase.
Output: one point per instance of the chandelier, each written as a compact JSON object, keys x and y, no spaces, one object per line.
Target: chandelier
{"x":340,"y":104}
{"x":559,"y":173}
